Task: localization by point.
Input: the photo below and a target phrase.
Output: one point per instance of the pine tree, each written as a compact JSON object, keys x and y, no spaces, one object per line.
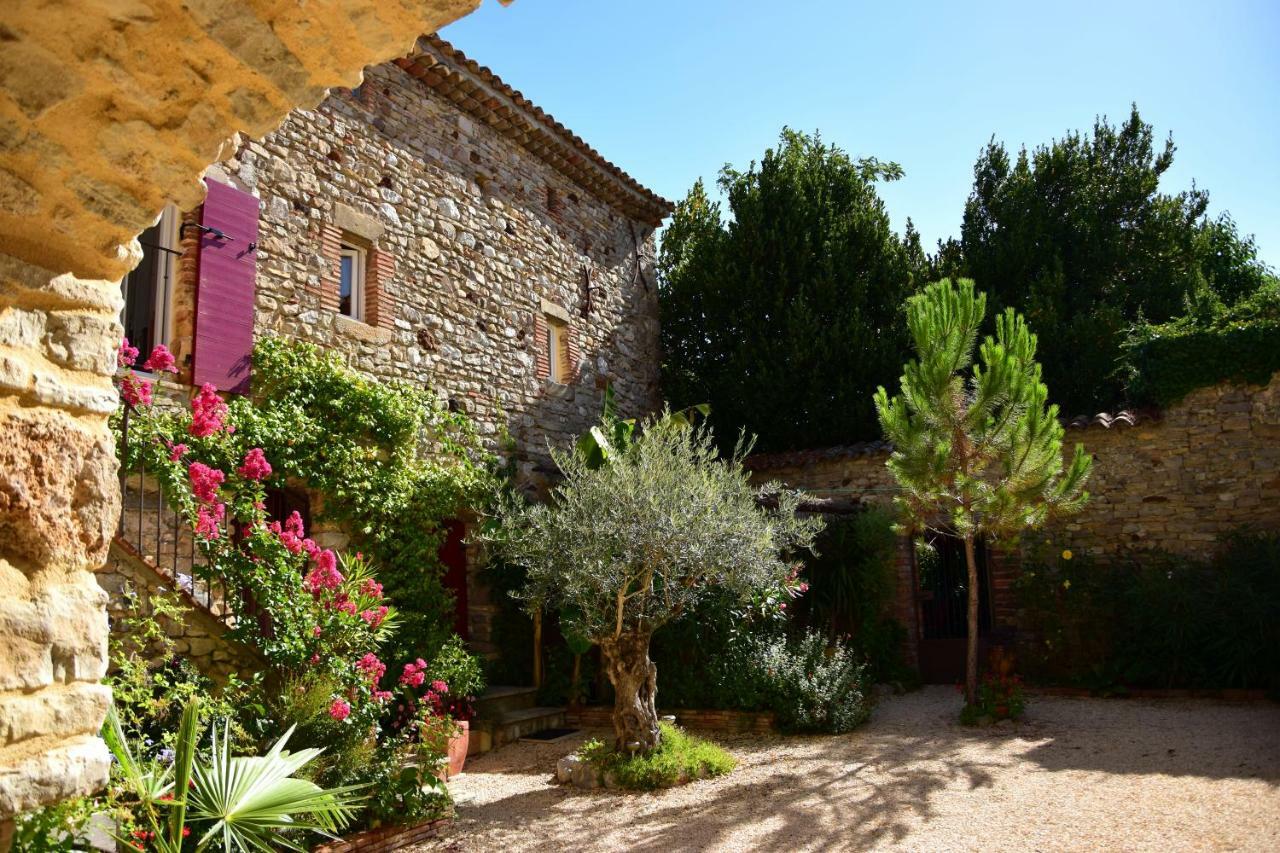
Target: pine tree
{"x":977,"y":450}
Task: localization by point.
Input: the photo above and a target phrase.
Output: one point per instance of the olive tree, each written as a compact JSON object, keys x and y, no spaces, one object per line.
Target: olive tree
{"x":624,"y":547}
{"x":977,"y":450}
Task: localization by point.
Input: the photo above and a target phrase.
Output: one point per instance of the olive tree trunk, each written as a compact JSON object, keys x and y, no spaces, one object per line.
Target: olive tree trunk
{"x":635,"y":690}
{"x":971,"y":657}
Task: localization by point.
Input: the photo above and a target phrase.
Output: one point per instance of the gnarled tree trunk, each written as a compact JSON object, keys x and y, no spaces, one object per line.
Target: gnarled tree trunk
{"x":635,"y":689}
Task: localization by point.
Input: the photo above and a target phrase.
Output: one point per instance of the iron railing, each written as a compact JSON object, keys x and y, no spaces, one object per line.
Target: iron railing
{"x":154,"y":531}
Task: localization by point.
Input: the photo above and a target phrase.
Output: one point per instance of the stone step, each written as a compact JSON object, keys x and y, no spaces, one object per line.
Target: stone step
{"x":500,"y":699}
{"x":513,"y":725}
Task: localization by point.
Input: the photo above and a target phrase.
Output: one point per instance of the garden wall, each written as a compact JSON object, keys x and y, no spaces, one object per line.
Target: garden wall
{"x":1178,"y":480}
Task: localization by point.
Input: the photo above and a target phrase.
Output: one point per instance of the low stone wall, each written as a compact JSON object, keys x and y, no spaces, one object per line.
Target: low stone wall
{"x":201,"y":638}
{"x":735,"y":722}
{"x":385,"y":838}
{"x":1178,"y":480}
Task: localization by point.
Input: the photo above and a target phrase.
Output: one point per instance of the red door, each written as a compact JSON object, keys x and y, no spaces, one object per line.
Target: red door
{"x":453,"y":554}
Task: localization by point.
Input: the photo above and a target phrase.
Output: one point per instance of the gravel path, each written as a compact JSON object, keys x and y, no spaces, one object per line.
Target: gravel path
{"x":1076,"y":774}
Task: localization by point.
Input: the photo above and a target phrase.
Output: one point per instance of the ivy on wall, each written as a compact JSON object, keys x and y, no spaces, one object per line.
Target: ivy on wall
{"x":1211,"y":344}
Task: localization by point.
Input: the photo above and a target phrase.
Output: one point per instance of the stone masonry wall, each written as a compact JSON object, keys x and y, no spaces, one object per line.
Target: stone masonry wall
{"x":474,"y":238}
{"x":1180,"y":481}
{"x":107,"y":111}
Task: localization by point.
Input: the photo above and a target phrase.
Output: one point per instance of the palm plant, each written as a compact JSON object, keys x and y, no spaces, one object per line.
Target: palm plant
{"x":246,"y":802}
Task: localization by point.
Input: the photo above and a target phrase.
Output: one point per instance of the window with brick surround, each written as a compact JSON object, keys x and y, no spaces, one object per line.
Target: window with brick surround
{"x":556,"y":346}
{"x":352,"y":264}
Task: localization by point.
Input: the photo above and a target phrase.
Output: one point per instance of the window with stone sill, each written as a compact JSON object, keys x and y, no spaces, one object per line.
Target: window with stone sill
{"x":352,"y":268}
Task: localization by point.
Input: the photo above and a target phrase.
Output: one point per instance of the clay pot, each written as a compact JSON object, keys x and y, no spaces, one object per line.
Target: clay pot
{"x":458,"y":748}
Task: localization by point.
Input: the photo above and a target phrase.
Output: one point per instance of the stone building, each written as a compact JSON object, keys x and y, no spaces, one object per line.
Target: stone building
{"x":433,"y":227}
{"x":1179,"y":480}
{"x":106,"y":113}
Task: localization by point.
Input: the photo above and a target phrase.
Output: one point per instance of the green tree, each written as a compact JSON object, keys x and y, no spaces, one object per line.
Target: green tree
{"x":1077,"y":236}
{"x":784,"y":314}
{"x":976,"y":452}
{"x":624,"y":547}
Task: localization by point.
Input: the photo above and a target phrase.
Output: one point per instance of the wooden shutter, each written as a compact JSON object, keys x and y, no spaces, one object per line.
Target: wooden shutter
{"x":223,"y":341}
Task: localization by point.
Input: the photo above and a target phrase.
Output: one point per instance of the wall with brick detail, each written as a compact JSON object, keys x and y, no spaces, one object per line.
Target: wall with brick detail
{"x":1180,"y":480}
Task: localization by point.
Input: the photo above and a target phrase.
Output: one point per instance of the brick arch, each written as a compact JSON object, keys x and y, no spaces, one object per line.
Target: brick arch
{"x":101,"y":123}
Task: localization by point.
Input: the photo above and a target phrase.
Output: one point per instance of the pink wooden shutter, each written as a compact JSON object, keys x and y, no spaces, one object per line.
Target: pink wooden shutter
{"x":224,"y":291}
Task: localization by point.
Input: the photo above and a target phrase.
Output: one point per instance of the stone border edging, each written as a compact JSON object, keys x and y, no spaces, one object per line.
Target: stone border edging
{"x":1224,"y":695}
{"x":739,"y":722}
{"x":385,"y":838}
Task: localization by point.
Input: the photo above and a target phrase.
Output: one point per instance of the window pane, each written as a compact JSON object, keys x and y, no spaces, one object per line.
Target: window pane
{"x":345,"y":283}
{"x":140,"y":294}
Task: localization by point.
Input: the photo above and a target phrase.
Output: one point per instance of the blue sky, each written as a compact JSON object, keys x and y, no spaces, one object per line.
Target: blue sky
{"x":671,"y":90}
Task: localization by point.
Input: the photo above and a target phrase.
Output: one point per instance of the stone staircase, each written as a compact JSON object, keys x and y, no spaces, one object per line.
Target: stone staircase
{"x":506,"y":714}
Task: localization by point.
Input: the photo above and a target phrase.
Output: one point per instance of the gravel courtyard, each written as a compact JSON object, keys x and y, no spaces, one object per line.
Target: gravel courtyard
{"x":1076,"y":774}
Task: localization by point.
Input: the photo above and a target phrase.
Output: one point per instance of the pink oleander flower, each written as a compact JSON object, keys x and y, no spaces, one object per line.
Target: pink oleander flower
{"x":315,"y":659}
{"x":381,"y":695}
{"x":325,"y":574}
{"x":339,"y":710}
{"x":309,"y":545}
{"x":374,"y":617}
{"x":347,"y":607}
{"x":256,"y":466}
{"x":414,"y":673}
{"x":205,"y":481}
{"x":126,"y":355}
{"x":371,"y":588}
{"x":372,"y":668}
{"x":316,"y":631}
{"x":208,"y":517}
{"x":160,"y":360}
{"x":208,"y":412}
{"x":177,"y":451}
{"x":439,"y":687}
{"x":293,"y":524}
{"x":135,"y":391}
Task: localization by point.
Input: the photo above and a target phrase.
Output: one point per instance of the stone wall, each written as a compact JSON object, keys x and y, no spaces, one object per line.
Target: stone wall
{"x":200,"y":637}
{"x":472,"y":239}
{"x":1180,"y":480}
{"x":107,"y":111}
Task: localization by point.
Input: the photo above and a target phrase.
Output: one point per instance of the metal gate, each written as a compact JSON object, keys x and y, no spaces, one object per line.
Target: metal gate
{"x":943,"y":580}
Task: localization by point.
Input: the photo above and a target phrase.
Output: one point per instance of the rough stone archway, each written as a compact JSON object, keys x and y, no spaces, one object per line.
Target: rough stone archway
{"x":108,"y":110}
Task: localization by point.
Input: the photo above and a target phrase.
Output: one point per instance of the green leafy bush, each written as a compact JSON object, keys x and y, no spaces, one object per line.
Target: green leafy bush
{"x":813,"y":685}
{"x":1152,"y":619}
{"x":1164,"y":362}
{"x":678,"y":758}
{"x":852,"y":580}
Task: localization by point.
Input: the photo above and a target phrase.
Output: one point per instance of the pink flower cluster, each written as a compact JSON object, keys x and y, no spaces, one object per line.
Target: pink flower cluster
{"x":136,"y":392}
{"x":324,"y":574}
{"x":339,"y":710}
{"x":414,"y":673}
{"x":208,"y":413}
{"x":176,"y":451}
{"x":372,"y":668}
{"x":160,"y":360}
{"x":374,"y":616}
{"x":126,"y":354}
{"x":255,"y":466}
{"x":205,"y":481}
{"x":371,"y":587}
{"x":211,"y":512}
{"x":208,"y":519}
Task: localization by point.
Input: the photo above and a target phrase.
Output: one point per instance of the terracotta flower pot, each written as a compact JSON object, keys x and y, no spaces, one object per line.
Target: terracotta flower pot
{"x":458,"y":748}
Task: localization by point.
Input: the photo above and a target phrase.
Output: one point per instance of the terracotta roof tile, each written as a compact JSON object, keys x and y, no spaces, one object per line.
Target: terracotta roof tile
{"x":476,"y":90}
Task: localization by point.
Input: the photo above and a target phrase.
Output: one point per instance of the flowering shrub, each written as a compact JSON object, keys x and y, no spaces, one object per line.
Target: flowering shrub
{"x":1000,"y":697}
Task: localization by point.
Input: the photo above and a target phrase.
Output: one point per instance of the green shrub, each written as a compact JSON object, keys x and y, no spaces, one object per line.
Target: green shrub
{"x":1152,"y":619}
{"x":852,"y":579}
{"x":679,"y":757}
{"x":813,"y":686}
{"x":1211,"y":344}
